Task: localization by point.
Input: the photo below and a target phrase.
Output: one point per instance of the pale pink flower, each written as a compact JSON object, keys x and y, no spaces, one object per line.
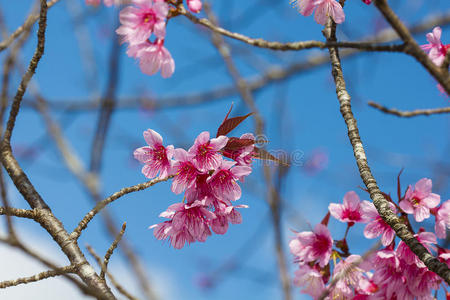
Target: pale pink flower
{"x":350,"y":211}
{"x":311,"y":280}
{"x":206,"y":151}
{"x":224,"y":214}
{"x":376,"y":225}
{"x":153,"y":57}
{"x":419,"y":200}
{"x":324,"y":9}
{"x":442,"y":219}
{"x":310,"y":246}
{"x":223,"y":181}
{"x":425,"y":238}
{"x":435,"y":48}
{"x":156,"y":157}
{"x":194,"y":5}
{"x":349,"y":276}
{"x":185,"y":171}
{"x":138,"y":23}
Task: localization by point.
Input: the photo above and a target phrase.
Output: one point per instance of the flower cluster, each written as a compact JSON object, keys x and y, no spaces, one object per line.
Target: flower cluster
{"x":208,"y":180}
{"x":139,"y":22}
{"x":323,"y":10}
{"x":388,"y":273}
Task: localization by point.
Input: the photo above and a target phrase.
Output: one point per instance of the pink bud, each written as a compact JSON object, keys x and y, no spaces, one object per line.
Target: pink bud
{"x":194,"y":5}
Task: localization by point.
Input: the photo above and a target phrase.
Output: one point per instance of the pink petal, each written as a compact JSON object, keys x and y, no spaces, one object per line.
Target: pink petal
{"x":152,"y":137}
{"x":351,"y":200}
{"x":336,"y":210}
{"x":406,"y":206}
{"x":337,"y":13}
{"x":424,"y":186}
{"x":219,"y":142}
{"x":432,"y":200}
{"x":387,"y":237}
{"x":421,"y":213}
{"x":240,"y":171}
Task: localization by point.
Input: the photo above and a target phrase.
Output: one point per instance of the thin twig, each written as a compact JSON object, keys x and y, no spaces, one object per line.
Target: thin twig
{"x":409,"y":114}
{"x":102,"y":204}
{"x":111,"y":250}
{"x":31,"y":19}
{"x":381,"y":204}
{"x":37,"y":277}
{"x":114,"y":282}
{"x":18,"y":212}
{"x":290,"y":46}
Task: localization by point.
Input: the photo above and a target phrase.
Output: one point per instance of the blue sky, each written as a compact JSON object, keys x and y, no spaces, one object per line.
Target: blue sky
{"x":301,"y":114}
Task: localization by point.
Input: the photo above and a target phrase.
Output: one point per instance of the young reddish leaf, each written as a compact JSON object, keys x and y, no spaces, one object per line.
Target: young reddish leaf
{"x":235,"y":143}
{"x":264,"y":155}
{"x":230,"y":124}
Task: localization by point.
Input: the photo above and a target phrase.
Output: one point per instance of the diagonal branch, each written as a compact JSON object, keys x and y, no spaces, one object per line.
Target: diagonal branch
{"x":111,"y":249}
{"x":413,"y":48}
{"x":381,"y":204}
{"x":38,"y":277}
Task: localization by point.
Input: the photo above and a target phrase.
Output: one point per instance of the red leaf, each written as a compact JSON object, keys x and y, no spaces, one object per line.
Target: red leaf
{"x":235,"y":143}
{"x":229,"y":124}
{"x":264,"y":155}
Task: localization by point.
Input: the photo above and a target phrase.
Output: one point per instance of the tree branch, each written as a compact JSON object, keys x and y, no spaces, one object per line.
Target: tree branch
{"x":37,"y":277}
{"x":409,"y":114}
{"x":381,"y":204}
{"x":111,"y":250}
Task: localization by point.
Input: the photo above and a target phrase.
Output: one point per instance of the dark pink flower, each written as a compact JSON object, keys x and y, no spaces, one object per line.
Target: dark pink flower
{"x":425,"y":238}
{"x":205,"y":152}
{"x":194,"y":5}
{"x":225,"y":214}
{"x":311,"y":279}
{"x":442,"y":220}
{"x":419,"y":200}
{"x":324,"y":10}
{"x":350,"y":211}
{"x":138,"y":23}
{"x":376,"y":225}
{"x":156,"y":157}
{"x":223,"y":181}
{"x":435,"y":48}
{"x":188,"y":223}
{"x":367,"y":1}
{"x":310,"y":246}
{"x":185,"y":171}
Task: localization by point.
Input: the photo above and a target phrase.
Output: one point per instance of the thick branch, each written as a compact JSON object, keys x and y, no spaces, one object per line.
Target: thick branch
{"x":381,"y":204}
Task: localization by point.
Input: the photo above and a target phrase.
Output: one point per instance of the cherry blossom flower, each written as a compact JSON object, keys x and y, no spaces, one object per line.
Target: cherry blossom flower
{"x":225,"y":214}
{"x":223,"y":180}
{"x":435,"y":48}
{"x":153,"y":57}
{"x":324,"y":9}
{"x":138,"y":23}
{"x":194,"y":5}
{"x":188,"y":223}
{"x":425,"y":238}
{"x":442,"y":219}
{"x":350,"y":211}
{"x":367,"y":1}
{"x":156,"y":157}
{"x":242,"y":156}
{"x":348,"y":276}
{"x":376,"y":225}
{"x":419,"y":200}
{"x":206,"y":151}
{"x":311,"y":280}
{"x":310,"y":246}
{"x":185,"y":171}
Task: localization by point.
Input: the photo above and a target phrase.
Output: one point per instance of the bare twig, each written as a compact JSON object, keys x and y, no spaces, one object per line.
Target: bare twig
{"x":381,"y":204}
{"x":102,"y":204}
{"x":111,"y":250}
{"x":409,"y":114}
{"x":24,"y":27}
{"x":18,"y":212}
{"x":114,"y":282}
{"x":37,"y":277}
{"x":292,"y":46}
